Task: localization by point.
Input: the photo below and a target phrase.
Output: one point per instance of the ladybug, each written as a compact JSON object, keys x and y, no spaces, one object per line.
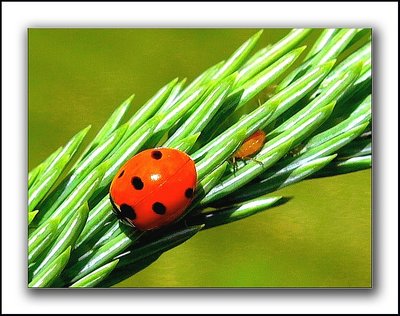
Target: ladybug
{"x":153,"y":188}
{"x":250,"y":146}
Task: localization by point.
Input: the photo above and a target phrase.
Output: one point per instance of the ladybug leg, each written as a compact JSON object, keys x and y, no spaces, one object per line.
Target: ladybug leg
{"x":126,"y":222}
{"x":115,"y":209}
{"x":185,"y":223}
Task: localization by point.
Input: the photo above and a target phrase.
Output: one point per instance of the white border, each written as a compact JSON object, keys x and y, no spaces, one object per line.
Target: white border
{"x":382,"y":17}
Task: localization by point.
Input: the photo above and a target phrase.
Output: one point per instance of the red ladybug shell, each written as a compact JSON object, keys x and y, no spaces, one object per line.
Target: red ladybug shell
{"x":153,"y":188}
{"x":251,"y":145}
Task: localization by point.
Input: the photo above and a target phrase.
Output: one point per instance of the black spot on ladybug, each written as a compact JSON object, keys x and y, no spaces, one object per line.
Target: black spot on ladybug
{"x":156,"y":154}
{"x":121,"y":174}
{"x":137,"y":183}
{"x":159,"y":208}
{"x":189,"y":193}
{"x":127,"y":211}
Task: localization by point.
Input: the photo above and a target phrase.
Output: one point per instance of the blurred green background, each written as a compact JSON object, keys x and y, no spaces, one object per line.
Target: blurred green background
{"x":320,"y":238}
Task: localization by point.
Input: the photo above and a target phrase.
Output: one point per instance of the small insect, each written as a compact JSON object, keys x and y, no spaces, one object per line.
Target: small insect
{"x":153,"y":188}
{"x":250,"y":146}
{"x":296,"y":151}
{"x":267,"y":94}
{"x":270,"y":91}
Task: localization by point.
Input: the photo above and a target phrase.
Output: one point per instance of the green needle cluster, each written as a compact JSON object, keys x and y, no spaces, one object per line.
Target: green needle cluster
{"x":317,"y":121}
